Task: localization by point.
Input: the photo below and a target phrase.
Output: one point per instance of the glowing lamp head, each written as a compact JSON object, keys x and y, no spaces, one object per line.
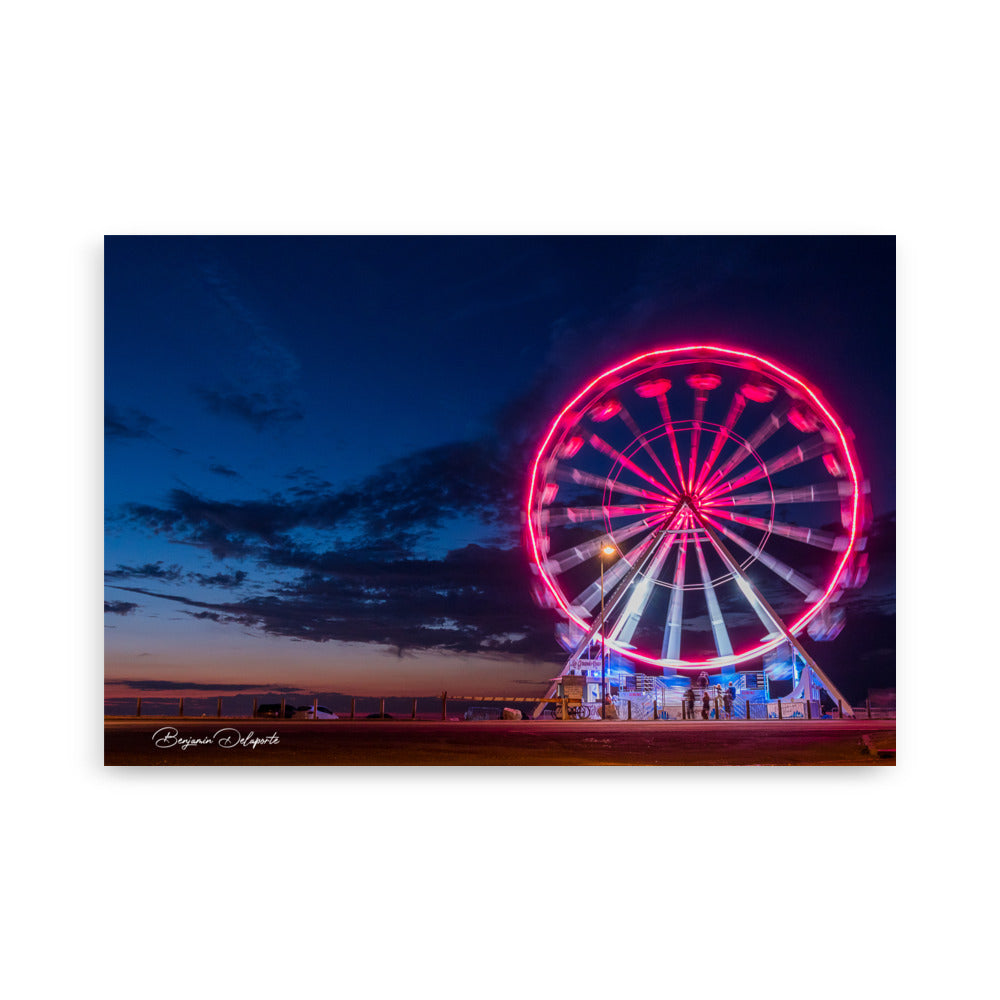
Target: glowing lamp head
{"x":608,"y":550}
{"x":759,"y":392}
{"x":605,"y":410}
{"x":705,"y":381}
{"x":656,"y":387}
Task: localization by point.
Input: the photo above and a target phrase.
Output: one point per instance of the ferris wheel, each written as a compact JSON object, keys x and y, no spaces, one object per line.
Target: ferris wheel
{"x":694,"y":508}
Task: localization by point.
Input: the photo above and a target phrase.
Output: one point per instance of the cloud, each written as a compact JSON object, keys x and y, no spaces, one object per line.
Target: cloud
{"x":224,"y":470}
{"x":126,"y":425}
{"x":119,"y":607}
{"x":234,"y":579}
{"x":258,"y":409}
{"x":168,"y":685}
{"x":150,"y":571}
{"x":402,"y":503}
{"x":474,"y":599}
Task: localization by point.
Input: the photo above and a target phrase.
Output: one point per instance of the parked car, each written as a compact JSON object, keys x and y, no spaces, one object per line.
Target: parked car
{"x":321,"y":713}
{"x":274,"y":711}
{"x":380,"y":715}
{"x":481,"y":713}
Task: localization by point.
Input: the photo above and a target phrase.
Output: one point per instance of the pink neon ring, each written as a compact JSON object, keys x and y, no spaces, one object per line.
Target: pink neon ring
{"x":735,"y":358}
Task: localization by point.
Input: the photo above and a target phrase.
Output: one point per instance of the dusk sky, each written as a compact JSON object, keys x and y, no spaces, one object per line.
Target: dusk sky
{"x":316,"y":448}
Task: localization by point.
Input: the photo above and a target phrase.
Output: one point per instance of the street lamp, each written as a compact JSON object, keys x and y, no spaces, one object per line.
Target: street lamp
{"x":606,"y":550}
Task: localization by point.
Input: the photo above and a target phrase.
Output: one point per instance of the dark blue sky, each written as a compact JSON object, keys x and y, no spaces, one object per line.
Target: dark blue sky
{"x":315,"y":447}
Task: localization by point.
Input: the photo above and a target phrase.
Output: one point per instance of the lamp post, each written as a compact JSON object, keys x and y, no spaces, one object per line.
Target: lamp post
{"x":606,"y":550}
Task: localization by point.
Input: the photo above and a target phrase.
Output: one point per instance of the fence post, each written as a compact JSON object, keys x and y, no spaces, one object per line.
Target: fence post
{"x":630,"y":710}
{"x":381,"y":708}
{"x":717,"y":716}
{"x":218,"y":709}
{"x":809,"y":709}
{"x":315,"y":709}
{"x":565,"y":709}
{"x":353,"y":699}
{"x":868,"y":704}
{"x":780,"y":716}
{"x":414,"y":714}
{"x":444,"y":706}
{"x":180,"y":708}
{"x":253,"y":711}
{"x":655,"y":713}
{"x":282,"y":708}
{"x":840,"y":709}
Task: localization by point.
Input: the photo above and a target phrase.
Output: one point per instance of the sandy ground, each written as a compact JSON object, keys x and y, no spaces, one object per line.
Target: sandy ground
{"x":542,"y":743}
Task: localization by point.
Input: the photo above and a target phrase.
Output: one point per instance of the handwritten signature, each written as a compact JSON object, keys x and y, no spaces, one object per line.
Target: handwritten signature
{"x":228,"y":739}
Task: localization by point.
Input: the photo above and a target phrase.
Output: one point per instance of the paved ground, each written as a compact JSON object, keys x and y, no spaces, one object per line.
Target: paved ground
{"x":295,"y":742}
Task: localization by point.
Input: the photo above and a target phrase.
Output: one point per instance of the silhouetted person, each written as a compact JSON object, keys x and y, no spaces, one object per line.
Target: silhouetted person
{"x":689,"y":703}
{"x":704,"y":705}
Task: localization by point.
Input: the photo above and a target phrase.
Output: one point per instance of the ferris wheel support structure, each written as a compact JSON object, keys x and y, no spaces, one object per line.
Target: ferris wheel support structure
{"x":747,"y":585}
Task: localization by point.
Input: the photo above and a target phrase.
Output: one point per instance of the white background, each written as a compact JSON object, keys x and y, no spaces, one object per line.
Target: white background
{"x":538,"y":117}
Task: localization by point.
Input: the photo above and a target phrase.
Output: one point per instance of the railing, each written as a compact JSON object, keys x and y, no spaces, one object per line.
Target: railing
{"x":628,"y":706}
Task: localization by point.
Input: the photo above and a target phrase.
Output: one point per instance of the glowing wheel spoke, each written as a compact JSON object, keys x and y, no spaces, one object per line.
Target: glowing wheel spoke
{"x":767,"y":428}
{"x":603,"y":482}
{"x":794,"y":456}
{"x":661,"y":401}
{"x":801,"y":494}
{"x":735,"y":409}
{"x":606,"y":449}
{"x":745,"y":589}
{"x":581,"y":515}
{"x":571,"y":557}
{"x":626,"y":625}
{"x":719,"y":631}
{"x":634,"y":428}
{"x":699,"y":415}
{"x":776,"y":566}
{"x":810,"y":536}
{"x":639,"y":554}
{"x":589,"y":597}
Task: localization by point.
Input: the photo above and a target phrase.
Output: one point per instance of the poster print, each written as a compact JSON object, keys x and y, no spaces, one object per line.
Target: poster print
{"x":499,"y":500}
